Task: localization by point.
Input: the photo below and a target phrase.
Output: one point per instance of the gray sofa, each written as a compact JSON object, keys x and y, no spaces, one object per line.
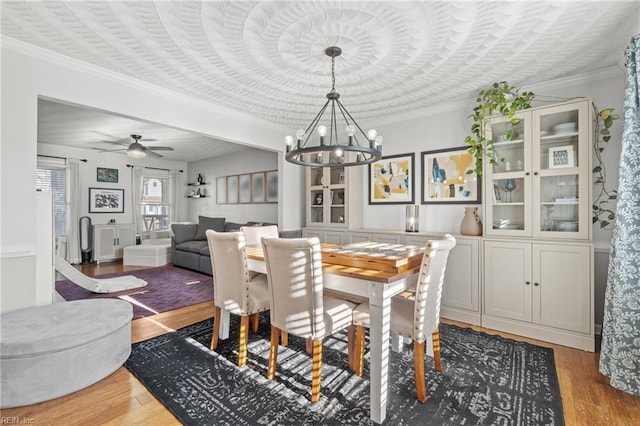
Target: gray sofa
{"x":189,"y":248}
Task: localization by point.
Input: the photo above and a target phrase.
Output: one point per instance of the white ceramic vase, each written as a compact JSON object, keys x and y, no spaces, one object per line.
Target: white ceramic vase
{"x":471,"y":223}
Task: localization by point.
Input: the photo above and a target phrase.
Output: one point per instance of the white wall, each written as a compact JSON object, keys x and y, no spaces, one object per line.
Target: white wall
{"x":28,"y":72}
{"x":113,"y":161}
{"x":246,"y":161}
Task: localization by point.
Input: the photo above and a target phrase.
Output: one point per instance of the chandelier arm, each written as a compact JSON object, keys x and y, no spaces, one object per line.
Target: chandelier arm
{"x":334,"y":124}
{"x":352,"y":119}
{"x":314,"y":122}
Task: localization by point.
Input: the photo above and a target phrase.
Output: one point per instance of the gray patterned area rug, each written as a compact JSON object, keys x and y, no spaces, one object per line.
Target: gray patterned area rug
{"x":486,"y":380}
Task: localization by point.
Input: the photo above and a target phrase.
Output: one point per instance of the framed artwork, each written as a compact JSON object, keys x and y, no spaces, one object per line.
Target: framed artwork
{"x":445,"y":179}
{"x":271,"y":183}
{"x":106,"y":200}
{"x":391,"y":180}
{"x":257,"y":187}
{"x":561,"y":156}
{"x":221,"y":190}
{"x":106,"y":175}
{"x":244,"y":189}
{"x":232,"y":189}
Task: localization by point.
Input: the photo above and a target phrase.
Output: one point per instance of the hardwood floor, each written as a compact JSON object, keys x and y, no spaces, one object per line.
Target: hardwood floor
{"x":120,"y":399}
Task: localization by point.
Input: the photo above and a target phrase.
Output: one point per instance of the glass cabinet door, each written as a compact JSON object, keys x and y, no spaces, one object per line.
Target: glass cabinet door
{"x":336,"y":194}
{"x":508,"y":184}
{"x":561,"y":171}
{"x":326,"y":196}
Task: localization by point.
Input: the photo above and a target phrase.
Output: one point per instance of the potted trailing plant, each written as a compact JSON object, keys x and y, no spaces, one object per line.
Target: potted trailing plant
{"x":500,"y":98}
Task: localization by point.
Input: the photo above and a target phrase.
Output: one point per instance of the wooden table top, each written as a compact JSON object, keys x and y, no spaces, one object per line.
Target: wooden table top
{"x":382,"y":269}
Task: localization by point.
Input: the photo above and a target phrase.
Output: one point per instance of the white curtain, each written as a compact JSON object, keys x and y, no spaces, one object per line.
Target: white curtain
{"x":137,"y":174}
{"x":73,"y":195}
{"x":174,"y":185}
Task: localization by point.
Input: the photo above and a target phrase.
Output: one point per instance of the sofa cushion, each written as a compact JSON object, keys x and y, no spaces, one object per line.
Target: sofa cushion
{"x":192,"y":246}
{"x":204,"y":223}
{"x":204,"y":251}
{"x":184,"y":232}
{"x":232,"y":226}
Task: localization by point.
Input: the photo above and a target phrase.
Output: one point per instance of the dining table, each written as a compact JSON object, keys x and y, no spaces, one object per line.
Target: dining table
{"x":368,"y":270}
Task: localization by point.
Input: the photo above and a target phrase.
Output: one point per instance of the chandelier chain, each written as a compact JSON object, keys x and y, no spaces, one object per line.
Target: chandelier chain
{"x":333,"y":74}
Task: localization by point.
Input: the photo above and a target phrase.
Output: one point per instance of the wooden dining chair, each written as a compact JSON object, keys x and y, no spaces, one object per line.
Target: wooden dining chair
{"x":416,"y":317}
{"x":298,"y":306}
{"x":235,"y":288}
{"x":253,"y":234}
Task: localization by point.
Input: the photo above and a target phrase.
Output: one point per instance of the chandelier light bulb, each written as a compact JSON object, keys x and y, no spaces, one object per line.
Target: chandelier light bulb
{"x":351,"y":130}
{"x":288,"y":140}
{"x":378,"y":140}
{"x":322,"y":131}
{"x":371,"y":134}
{"x":300,"y":134}
{"x":338,"y":152}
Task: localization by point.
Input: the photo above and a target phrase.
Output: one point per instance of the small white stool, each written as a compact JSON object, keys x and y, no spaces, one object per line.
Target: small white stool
{"x":149,"y":253}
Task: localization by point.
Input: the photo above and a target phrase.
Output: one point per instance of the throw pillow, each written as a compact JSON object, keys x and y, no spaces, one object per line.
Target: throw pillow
{"x":204,"y":223}
{"x":184,"y":232}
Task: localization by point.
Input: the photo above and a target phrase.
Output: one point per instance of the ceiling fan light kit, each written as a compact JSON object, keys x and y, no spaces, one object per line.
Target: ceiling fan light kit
{"x":136,"y":150}
{"x":332,"y":153}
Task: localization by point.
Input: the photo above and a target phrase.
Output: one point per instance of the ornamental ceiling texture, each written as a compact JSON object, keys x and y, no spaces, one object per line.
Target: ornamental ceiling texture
{"x":266,"y":58}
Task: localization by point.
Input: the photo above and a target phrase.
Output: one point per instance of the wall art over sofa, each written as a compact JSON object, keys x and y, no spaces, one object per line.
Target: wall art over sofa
{"x":248,"y":188}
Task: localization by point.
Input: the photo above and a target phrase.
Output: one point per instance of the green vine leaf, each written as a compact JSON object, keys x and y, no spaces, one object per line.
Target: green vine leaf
{"x":500,"y":98}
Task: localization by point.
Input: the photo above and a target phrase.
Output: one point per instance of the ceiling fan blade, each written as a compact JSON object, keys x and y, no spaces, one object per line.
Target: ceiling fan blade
{"x":151,"y":153}
{"x":123,"y":142}
{"x":148,"y":140}
{"x":160,"y":148}
{"x":113,"y":150}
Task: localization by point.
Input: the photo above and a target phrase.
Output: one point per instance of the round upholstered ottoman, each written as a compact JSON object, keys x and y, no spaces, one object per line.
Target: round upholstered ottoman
{"x":53,"y":350}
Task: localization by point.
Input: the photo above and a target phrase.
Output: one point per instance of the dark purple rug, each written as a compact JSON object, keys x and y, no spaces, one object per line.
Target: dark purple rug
{"x":168,"y":288}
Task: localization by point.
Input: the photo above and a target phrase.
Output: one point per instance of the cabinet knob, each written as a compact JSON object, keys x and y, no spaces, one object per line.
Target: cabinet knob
{"x":535,"y":173}
{"x":527,"y":282}
{"x":536,"y":284}
{"x":527,"y":174}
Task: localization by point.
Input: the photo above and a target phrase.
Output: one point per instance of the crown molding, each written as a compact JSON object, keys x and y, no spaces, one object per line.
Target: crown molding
{"x":75,"y":64}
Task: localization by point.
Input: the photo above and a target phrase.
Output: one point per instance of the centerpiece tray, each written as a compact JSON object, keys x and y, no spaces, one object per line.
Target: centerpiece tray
{"x":395,"y":258}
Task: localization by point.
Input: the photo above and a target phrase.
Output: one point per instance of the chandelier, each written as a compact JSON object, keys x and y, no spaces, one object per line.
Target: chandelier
{"x":332,"y":153}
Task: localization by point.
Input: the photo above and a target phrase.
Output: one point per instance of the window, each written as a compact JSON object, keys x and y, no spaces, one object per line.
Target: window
{"x":155,"y":203}
{"x":50,"y":177}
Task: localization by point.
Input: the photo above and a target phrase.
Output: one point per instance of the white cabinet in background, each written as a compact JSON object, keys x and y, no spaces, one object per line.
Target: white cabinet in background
{"x":109,"y":241}
{"x":333,"y":236}
{"x":540,"y":290}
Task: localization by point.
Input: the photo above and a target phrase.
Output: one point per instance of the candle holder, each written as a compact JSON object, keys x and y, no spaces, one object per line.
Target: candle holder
{"x":412,"y":218}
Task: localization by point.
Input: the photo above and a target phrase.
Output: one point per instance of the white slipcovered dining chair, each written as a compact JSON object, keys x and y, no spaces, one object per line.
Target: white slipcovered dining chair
{"x":298,"y":306}
{"x":235,"y":288}
{"x":253,"y":234}
{"x":416,"y":317}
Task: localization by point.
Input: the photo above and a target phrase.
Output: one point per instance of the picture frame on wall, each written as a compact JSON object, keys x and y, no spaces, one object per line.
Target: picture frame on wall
{"x":104,"y":174}
{"x":106,"y":200}
{"x":221,"y":190}
{"x":257,"y":187}
{"x":232,"y":189}
{"x":271,"y":186}
{"x":391,"y":180}
{"x":244,"y":189}
{"x":445,"y":179}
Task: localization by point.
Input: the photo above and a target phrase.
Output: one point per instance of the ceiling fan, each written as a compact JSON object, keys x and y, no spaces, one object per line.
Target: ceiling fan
{"x":136,"y":150}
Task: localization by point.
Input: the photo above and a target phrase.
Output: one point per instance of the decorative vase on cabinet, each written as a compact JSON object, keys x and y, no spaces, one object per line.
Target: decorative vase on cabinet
{"x":471,"y":223}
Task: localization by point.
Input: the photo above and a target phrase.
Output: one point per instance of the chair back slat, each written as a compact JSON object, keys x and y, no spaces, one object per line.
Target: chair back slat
{"x":253,"y":234}
{"x":429,"y":287}
{"x":230,"y":273}
{"x":294,"y":273}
